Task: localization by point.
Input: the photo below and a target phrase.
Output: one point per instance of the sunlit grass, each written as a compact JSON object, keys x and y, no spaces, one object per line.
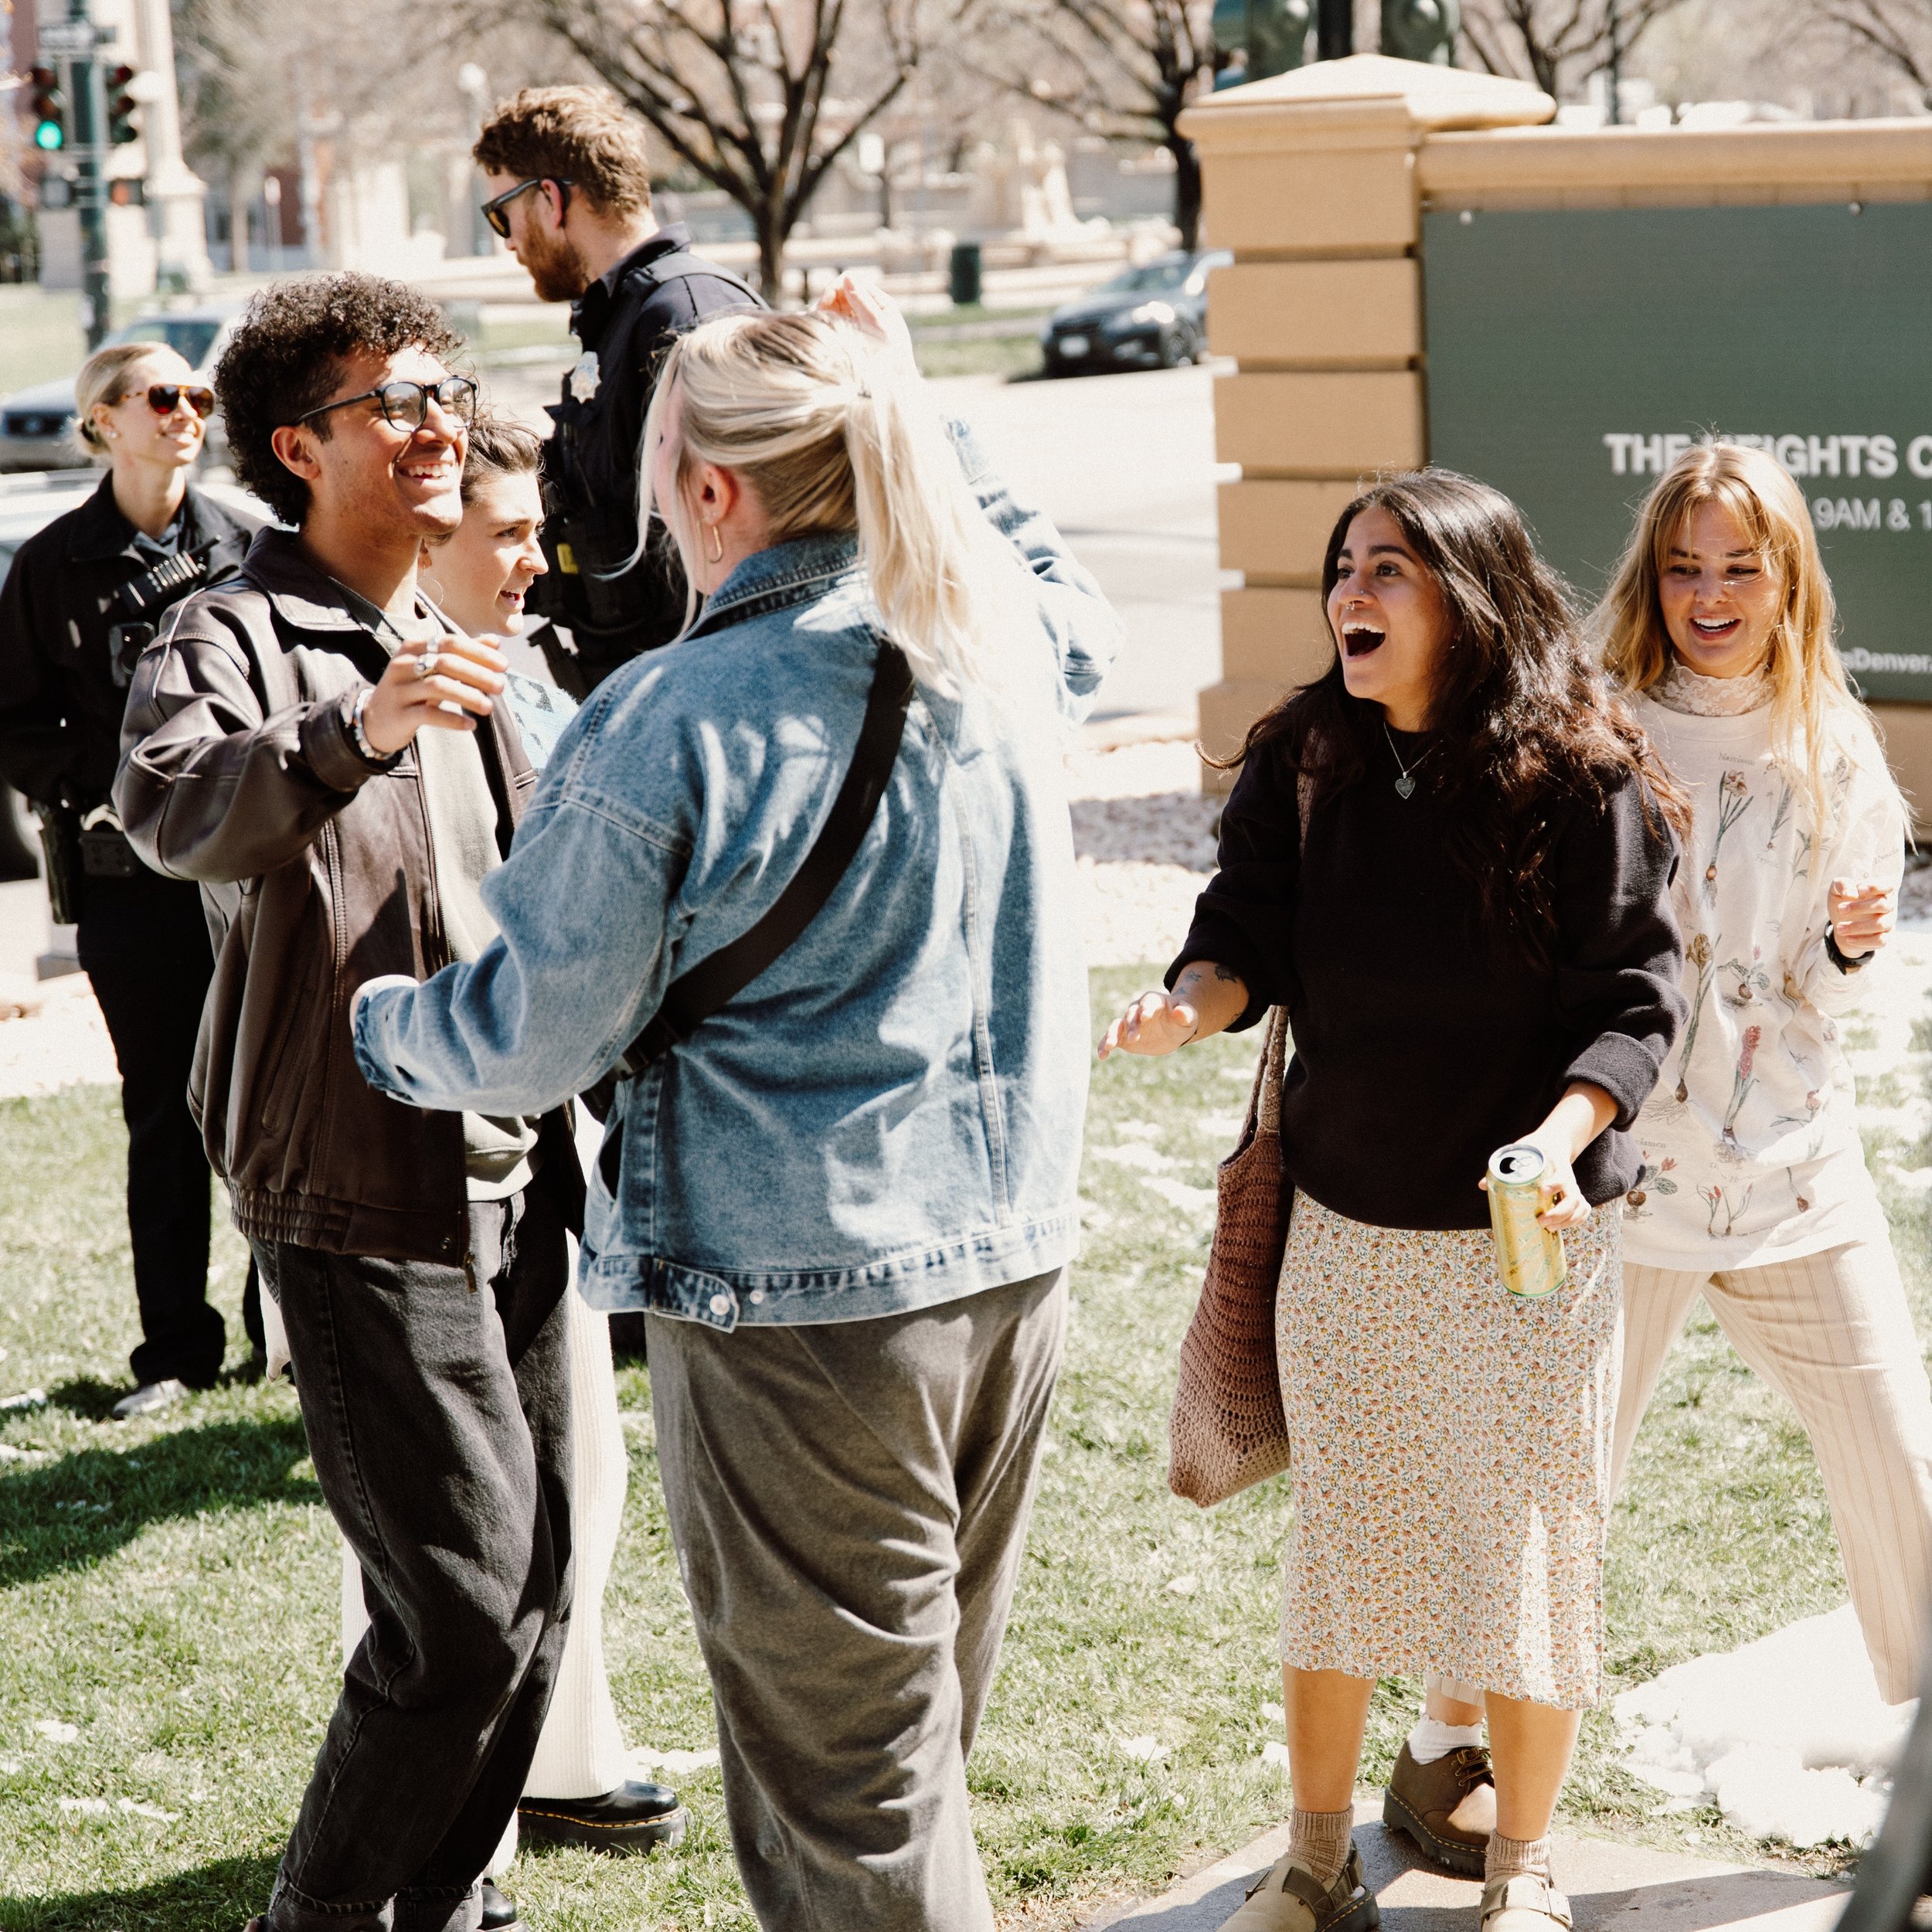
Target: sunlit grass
{"x":169,"y":1588}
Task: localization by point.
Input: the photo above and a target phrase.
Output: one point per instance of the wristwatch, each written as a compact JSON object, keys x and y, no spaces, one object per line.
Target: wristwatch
{"x":1838,"y":959}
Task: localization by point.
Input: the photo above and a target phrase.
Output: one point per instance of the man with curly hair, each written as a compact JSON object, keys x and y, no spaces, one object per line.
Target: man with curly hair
{"x":569,"y":182}
{"x":313,"y":745}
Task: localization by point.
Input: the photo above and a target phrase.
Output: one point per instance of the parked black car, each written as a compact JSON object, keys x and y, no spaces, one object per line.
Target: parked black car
{"x":1151,"y":317}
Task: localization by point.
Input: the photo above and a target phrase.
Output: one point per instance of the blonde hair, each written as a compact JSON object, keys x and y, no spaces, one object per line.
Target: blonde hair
{"x":104,"y":378}
{"x":830,"y":435}
{"x":1815,"y":718}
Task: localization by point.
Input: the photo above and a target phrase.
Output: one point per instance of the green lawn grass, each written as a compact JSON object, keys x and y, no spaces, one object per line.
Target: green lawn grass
{"x":167,"y":1588}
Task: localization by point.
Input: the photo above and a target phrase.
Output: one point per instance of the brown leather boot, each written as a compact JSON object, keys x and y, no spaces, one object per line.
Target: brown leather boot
{"x":1448,"y":1807}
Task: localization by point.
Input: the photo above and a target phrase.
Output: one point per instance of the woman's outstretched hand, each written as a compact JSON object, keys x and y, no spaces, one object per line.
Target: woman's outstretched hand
{"x":1862,"y":916}
{"x":1207,"y":999}
{"x":1155,"y":1023}
{"x":873,"y":313}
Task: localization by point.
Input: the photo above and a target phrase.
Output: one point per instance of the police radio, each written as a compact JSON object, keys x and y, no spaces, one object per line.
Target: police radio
{"x":142,"y":599}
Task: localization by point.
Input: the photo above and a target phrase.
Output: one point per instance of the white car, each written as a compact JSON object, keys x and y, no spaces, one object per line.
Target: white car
{"x":36,"y":423}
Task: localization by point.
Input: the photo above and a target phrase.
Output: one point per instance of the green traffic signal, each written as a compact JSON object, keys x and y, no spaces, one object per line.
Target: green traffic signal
{"x":49,"y":110}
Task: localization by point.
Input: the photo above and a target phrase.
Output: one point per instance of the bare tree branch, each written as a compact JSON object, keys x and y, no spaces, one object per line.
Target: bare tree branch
{"x":1555,"y":43}
{"x":1121,"y":68}
{"x":760,"y":98}
{"x":1899,"y":31}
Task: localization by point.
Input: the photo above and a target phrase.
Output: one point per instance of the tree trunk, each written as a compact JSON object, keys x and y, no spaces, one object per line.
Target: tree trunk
{"x":1187,"y":189}
{"x":772,"y":231}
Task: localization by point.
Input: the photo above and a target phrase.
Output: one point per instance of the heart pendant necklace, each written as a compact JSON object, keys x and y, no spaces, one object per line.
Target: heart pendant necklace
{"x":1405,"y":784}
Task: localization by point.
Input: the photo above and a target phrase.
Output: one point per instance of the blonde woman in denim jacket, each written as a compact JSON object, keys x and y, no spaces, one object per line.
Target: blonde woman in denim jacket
{"x":847,"y":1201}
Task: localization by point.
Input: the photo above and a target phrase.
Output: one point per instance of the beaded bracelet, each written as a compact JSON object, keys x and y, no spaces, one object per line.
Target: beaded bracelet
{"x":358,"y":736}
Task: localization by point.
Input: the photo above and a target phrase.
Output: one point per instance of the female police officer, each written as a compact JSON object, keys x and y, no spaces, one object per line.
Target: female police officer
{"x":83,"y":598}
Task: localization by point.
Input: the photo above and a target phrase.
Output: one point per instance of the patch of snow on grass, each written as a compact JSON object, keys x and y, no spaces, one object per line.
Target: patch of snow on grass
{"x":1189,"y":1200}
{"x":1788,"y":1736}
{"x":1135,"y":1154}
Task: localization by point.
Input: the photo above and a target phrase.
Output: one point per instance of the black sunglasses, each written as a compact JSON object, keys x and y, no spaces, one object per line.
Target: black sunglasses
{"x":164,"y":398}
{"x":406,"y":406}
{"x":496,"y":209}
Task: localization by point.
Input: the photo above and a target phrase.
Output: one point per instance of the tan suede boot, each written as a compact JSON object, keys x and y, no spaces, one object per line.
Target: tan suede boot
{"x":1291,"y":1899}
{"x":1448,"y":1807}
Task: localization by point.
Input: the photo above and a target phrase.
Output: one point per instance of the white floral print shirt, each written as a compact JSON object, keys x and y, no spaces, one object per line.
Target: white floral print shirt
{"x":1751,"y":1142}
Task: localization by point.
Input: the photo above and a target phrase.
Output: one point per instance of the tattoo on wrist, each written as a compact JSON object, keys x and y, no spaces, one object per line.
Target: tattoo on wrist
{"x":1226,"y":975}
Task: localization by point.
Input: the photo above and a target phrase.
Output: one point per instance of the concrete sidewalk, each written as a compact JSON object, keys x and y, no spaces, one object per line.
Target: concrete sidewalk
{"x":1610,"y":1885}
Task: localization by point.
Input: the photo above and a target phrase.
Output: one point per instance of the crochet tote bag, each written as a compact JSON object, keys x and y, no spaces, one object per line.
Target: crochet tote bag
{"x":1226,"y":1431}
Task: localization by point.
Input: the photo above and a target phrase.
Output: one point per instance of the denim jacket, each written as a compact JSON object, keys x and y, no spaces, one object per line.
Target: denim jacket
{"x":890,"y":1117}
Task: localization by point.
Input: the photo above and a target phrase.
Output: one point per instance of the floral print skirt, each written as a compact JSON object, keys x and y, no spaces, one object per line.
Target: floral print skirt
{"x":1452,"y":1456}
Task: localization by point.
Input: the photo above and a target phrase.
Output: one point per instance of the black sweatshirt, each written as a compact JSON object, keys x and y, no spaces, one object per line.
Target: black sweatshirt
{"x":1422,"y":1042}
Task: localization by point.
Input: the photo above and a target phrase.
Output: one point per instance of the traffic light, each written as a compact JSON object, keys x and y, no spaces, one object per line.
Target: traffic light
{"x":49,"y":107}
{"x":122,"y":107}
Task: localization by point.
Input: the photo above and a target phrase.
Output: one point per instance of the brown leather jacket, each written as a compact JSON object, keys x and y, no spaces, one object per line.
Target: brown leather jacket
{"x":237,"y":770}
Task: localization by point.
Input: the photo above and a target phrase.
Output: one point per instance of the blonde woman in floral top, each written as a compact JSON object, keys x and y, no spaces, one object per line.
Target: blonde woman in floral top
{"x":1754,"y":1191}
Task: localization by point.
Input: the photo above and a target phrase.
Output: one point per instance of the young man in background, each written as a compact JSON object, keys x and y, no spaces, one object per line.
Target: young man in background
{"x":568,"y":180}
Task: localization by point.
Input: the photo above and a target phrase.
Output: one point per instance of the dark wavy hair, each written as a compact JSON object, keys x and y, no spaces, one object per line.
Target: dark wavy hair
{"x":1524,"y":720}
{"x":288,"y":356}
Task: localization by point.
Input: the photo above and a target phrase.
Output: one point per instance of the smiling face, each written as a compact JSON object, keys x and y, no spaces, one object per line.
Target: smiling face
{"x":135,"y":433}
{"x":1390,"y":620}
{"x":481,"y":575}
{"x":391,"y":483}
{"x":1718,"y":595}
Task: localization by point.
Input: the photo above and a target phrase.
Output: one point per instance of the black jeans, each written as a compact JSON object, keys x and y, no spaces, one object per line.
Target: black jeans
{"x":143,"y":946}
{"x":438,"y":1416}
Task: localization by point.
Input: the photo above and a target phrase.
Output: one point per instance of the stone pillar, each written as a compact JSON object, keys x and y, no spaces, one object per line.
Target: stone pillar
{"x":1311,"y":180}
{"x":176,"y":195}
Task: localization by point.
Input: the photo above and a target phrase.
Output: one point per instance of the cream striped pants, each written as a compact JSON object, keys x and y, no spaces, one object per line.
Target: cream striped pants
{"x":1832,"y":1333}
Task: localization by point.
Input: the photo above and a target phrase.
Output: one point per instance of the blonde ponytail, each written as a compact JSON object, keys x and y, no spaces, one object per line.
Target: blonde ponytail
{"x":832,"y":434}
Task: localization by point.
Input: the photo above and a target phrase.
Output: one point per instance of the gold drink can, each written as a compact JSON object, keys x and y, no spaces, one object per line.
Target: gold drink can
{"x":1529,"y":1258}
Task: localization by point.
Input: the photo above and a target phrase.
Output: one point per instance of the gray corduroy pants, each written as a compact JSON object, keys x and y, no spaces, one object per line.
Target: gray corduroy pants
{"x":849,"y":1500}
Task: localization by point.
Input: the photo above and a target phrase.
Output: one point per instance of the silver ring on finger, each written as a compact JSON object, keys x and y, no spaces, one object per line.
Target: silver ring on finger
{"x":426,"y":665}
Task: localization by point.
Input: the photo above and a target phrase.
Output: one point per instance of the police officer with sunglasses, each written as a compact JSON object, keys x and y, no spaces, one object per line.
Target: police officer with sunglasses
{"x":82,"y":599}
{"x":569,"y":186}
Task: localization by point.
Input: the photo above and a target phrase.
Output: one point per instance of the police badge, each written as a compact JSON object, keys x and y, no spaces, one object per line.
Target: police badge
{"x":585,"y":378}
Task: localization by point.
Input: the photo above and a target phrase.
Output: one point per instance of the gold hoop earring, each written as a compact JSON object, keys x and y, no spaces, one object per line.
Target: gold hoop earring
{"x":717,"y":555}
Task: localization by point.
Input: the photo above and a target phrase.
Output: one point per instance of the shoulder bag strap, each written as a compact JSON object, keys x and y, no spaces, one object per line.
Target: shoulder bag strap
{"x":1266,"y":1103}
{"x":693,"y":997}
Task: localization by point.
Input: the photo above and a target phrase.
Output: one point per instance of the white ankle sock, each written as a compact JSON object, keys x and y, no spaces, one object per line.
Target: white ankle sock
{"x":1431,"y":1739}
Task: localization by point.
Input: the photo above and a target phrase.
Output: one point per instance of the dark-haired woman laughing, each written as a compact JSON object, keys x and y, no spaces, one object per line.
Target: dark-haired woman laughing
{"x":1475,"y":945}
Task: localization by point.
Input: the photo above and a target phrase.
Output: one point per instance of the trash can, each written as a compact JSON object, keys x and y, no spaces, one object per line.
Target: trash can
{"x":962,"y":279}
